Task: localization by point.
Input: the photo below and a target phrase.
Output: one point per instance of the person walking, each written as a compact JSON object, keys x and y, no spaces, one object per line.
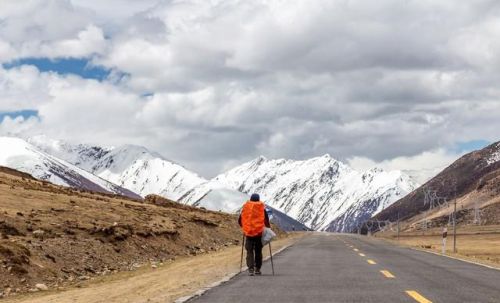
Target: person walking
{"x":253,"y":218}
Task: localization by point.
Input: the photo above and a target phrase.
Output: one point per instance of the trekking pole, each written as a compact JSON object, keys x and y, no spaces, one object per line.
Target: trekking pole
{"x":242,"y":245}
{"x":271,"y":254}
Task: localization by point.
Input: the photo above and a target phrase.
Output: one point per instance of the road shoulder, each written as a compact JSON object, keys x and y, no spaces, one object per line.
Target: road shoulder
{"x":167,"y":283}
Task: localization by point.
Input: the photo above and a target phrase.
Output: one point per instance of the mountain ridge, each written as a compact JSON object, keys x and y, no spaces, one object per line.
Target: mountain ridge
{"x":306,"y":190}
{"x":18,"y":154}
{"x":131,"y":166}
{"x":467,"y":176}
{"x":315,"y":191}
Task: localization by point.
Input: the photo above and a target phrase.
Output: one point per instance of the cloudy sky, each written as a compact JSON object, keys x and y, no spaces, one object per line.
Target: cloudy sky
{"x":210,"y":84}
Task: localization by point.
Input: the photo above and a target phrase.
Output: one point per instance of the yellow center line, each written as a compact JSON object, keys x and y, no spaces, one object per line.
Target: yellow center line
{"x":418,"y":297}
{"x":362,"y":255}
{"x":371,"y":262}
{"x":387,"y":274}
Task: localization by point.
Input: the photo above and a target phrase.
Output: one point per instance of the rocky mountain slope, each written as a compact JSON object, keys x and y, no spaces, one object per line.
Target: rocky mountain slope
{"x":146,"y":172}
{"x":134,"y":167}
{"x":20,"y":155}
{"x":58,"y":236}
{"x":474,"y":180}
{"x":315,"y":192}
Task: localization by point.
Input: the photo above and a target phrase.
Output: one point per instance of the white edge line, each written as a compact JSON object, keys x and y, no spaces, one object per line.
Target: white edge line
{"x":223,"y":280}
{"x":455,"y":258}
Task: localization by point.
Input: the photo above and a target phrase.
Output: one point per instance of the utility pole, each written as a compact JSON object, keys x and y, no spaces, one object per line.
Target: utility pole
{"x":398,"y":224}
{"x":455,"y":222}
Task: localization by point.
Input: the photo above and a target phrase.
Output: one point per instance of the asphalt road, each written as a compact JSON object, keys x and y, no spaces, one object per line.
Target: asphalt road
{"x":350,"y":268}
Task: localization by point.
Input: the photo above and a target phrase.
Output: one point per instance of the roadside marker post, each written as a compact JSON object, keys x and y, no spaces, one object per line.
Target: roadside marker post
{"x":455,"y":223}
{"x":445,"y":234}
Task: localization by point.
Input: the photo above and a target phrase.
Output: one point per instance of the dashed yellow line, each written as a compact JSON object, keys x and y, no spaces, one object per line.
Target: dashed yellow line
{"x":387,"y":274}
{"x":362,"y":255}
{"x":418,"y":297}
{"x":371,"y":262}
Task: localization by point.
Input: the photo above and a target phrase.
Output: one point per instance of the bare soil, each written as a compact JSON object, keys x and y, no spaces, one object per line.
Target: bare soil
{"x":63,"y":237}
{"x":170,"y":281}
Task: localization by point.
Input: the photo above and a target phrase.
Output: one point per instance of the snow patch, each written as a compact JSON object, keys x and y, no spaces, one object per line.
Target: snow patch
{"x":495,"y":157}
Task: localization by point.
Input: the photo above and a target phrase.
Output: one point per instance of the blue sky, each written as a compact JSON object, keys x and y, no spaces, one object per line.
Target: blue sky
{"x":469,"y":146}
{"x":61,"y":66}
{"x":22,"y":113}
{"x":80,"y":67}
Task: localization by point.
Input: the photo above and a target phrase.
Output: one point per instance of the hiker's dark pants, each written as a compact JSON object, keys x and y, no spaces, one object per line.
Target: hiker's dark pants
{"x":253,"y":245}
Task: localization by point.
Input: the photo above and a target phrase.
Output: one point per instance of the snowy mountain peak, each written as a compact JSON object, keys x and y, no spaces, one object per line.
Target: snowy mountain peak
{"x":261,"y":159}
{"x":136,"y":151}
{"x":81,"y":155}
{"x":131,"y":166}
{"x":18,"y":154}
{"x":315,"y":191}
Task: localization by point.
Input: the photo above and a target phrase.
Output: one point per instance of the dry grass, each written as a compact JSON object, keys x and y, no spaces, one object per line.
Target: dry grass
{"x":166,"y":284}
{"x":475,"y":243}
{"x":61,"y":237}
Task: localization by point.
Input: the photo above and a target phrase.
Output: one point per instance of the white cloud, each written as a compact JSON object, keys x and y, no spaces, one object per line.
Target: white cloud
{"x":230,"y":80}
{"x":23,"y":88}
{"x":421,"y":167}
{"x":18,"y":126}
{"x":88,"y":42}
{"x":6,"y":51}
{"x":89,"y":109}
{"x":478,"y":43}
{"x":49,"y":29}
{"x":115,"y":10}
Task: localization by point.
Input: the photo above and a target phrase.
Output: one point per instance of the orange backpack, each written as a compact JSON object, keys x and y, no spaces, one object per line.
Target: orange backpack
{"x":252,"y":218}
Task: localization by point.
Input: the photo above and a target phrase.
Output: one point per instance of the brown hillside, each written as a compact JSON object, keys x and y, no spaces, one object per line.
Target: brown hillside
{"x":471,"y":178}
{"x":13,"y":172}
{"x":59,"y":236}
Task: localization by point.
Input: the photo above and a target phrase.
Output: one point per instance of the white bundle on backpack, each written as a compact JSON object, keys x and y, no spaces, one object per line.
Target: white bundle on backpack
{"x":267,"y":235}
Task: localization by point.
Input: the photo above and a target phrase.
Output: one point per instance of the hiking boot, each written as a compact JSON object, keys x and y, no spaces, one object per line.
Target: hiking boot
{"x":258,"y":272}
{"x":250,"y":272}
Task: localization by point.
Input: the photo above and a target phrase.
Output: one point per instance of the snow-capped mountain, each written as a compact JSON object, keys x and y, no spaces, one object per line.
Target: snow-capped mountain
{"x":133,"y":167}
{"x":82,"y":155}
{"x":145,"y":172}
{"x":382,"y":189}
{"x":322,"y":193}
{"x":315,"y":192}
{"x":18,"y":154}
